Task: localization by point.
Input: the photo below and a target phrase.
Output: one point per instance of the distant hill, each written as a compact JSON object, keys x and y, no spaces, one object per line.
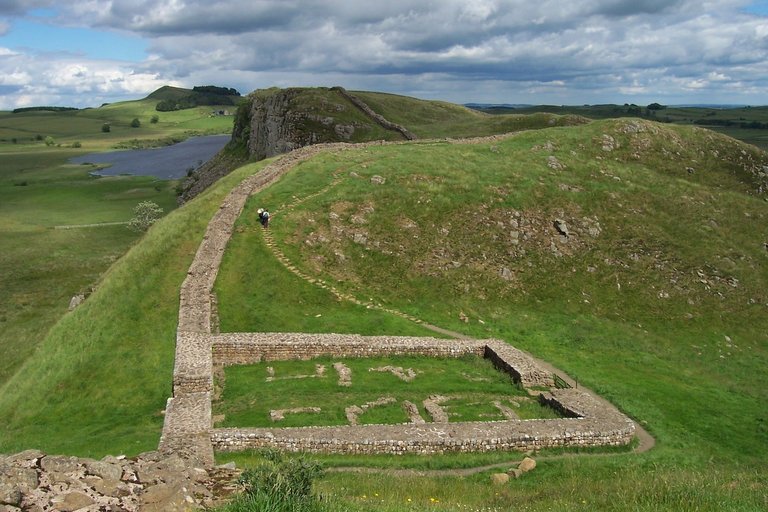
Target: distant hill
{"x":176,"y":98}
{"x":274,"y":121}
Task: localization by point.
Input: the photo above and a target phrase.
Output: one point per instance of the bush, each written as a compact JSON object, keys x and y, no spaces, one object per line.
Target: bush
{"x":135,"y":123}
{"x":146,"y":213}
{"x":154,"y":119}
{"x":49,"y":141}
{"x":106,"y":128}
{"x":279,"y":485}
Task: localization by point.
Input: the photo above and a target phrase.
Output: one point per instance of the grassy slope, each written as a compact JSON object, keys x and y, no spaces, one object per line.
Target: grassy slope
{"x":41,"y":268}
{"x":115,"y":352}
{"x":663,"y":312}
{"x":666,"y":361}
{"x":434,"y":119}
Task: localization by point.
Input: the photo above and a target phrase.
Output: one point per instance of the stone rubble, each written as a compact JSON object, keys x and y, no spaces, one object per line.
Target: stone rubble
{"x":151,"y":482}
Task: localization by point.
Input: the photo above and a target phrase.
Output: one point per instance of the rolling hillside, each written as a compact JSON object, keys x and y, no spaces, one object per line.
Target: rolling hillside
{"x":630,"y":254}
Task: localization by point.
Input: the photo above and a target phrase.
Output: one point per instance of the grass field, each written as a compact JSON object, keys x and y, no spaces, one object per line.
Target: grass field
{"x":663,"y":311}
{"x":470,"y":386}
{"x":655,"y":299}
{"x":42,"y":265}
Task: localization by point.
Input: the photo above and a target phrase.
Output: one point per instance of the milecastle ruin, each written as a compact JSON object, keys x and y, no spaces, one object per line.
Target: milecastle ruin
{"x":188,"y":428}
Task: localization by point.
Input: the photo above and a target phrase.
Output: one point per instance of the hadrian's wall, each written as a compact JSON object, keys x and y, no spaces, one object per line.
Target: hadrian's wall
{"x":188,"y":428}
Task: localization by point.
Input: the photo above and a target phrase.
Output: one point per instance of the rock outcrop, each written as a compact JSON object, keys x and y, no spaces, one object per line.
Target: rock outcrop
{"x":152,"y":481}
{"x":275,"y":121}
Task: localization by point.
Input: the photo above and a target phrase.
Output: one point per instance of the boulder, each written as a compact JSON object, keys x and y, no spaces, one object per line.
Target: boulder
{"x":10,"y":494}
{"x":499,"y":478}
{"x":59,"y":464}
{"x":515,"y":473}
{"x":71,"y":501}
{"x":105,"y":470}
{"x":527,"y":464}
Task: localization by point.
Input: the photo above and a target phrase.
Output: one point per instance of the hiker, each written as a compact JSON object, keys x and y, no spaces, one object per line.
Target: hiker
{"x":264,"y":217}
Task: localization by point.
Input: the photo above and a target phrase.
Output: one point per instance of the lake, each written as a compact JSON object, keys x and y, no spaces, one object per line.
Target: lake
{"x":166,"y":163}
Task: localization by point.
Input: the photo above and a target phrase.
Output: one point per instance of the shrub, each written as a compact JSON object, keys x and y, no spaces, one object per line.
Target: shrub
{"x":106,"y":128}
{"x":135,"y":123}
{"x":77,"y":144}
{"x":279,"y":485}
{"x":146,"y":213}
{"x":154,"y":119}
{"x":49,"y":141}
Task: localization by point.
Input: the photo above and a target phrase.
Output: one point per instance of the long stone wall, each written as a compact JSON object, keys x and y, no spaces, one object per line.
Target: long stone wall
{"x":188,"y":428}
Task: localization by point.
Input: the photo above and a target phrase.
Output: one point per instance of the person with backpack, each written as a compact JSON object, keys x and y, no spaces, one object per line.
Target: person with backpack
{"x":264,"y":217}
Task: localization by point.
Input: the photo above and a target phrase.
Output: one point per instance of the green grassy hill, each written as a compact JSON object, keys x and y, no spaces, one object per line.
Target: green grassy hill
{"x":628,"y":253}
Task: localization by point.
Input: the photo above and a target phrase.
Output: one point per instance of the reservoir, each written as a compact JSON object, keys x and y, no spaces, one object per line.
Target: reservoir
{"x":166,"y":163}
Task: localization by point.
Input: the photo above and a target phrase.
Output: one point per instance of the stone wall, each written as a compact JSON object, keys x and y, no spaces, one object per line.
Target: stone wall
{"x":188,"y":429}
{"x":597,"y":425}
{"x":248,"y":348}
{"x":380,"y":120}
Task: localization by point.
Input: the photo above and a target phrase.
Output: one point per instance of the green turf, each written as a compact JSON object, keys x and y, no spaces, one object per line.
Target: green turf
{"x":470,"y":386}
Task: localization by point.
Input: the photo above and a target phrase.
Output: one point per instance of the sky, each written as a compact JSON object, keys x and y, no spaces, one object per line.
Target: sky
{"x":561,"y":52}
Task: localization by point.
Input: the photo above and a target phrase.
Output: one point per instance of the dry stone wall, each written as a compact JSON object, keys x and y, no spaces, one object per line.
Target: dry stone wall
{"x":596,"y":426}
{"x":188,"y":428}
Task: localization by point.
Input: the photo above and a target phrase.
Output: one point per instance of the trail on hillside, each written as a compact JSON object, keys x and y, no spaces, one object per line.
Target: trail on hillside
{"x":646,"y":441}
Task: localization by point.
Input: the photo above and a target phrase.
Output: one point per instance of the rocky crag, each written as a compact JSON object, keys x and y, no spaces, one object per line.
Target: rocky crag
{"x":276,"y":121}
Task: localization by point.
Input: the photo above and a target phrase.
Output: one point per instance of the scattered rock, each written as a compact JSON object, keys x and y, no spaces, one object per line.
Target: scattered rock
{"x":345,"y":374}
{"x":152,"y":481}
{"x":72,"y":501}
{"x":432,"y":406}
{"x":554,"y":163}
{"x":412,"y":410}
{"x":75,"y":301}
{"x":515,"y":473}
{"x":378,"y":180}
{"x":463,"y":317}
{"x":279,"y":414}
{"x":561,"y":227}
{"x":527,"y":464}
{"x":499,"y":478}
{"x":406,"y":375}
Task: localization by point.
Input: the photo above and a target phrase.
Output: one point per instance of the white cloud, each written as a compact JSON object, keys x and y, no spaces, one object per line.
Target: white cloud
{"x":460,"y":50}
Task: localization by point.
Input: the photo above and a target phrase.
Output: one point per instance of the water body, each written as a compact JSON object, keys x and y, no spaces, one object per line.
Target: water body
{"x":166,"y":163}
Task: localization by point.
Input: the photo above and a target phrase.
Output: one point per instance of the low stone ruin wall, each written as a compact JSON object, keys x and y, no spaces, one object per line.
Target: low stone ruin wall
{"x":188,"y":431}
{"x":600,"y":425}
{"x":250,"y":348}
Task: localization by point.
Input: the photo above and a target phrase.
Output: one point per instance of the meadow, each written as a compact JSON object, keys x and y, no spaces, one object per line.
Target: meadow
{"x":662,"y":312}
{"x":45,"y":261}
{"x":469,"y":385}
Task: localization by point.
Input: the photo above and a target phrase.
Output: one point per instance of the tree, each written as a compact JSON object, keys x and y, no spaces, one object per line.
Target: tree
{"x":154,"y":119}
{"x":146,"y":213}
{"x":135,"y":123}
{"x":49,"y":141}
{"x":106,"y":128}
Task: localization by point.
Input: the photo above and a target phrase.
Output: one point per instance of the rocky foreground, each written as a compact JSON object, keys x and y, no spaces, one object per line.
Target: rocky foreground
{"x":153,"y":481}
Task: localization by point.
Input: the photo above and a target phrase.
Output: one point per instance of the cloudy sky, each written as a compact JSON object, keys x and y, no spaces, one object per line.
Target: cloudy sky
{"x":88,"y":52}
